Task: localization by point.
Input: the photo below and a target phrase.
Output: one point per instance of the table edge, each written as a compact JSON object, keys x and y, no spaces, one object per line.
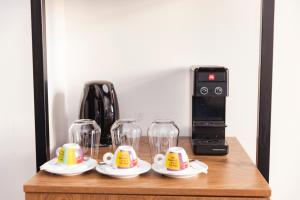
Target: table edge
{"x":150,"y":191}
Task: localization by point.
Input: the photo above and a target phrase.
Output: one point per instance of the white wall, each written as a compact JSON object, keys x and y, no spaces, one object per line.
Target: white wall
{"x":55,"y":35}
{"x":17,"y":144}
{"x":285,"y":138}
{"x":146,"y":48}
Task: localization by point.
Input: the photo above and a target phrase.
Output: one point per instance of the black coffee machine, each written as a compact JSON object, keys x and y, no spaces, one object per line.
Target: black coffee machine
{"x":100,"y":103}
{"x":208,"y":110}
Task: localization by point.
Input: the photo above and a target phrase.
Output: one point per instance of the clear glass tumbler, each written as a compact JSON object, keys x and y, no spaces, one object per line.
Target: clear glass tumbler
{"x":86,"y":133}
{"x":126,"y":132}
{"x":162,"y":135}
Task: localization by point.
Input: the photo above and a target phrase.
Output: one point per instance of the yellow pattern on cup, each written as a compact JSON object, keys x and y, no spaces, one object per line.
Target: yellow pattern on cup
{"x":123,"y":159}
{"x":60,"y":157}
{"x":71,"y":157}
{"x":172,"y":161}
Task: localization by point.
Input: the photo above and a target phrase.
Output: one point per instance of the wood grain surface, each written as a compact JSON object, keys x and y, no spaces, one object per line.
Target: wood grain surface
{"x":233,"y":175}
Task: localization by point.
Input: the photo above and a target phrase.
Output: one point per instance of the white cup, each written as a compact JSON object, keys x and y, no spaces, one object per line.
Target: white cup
{"x":123,"y":158}
{"x":69,"y":154}
{"x":176,"y":159}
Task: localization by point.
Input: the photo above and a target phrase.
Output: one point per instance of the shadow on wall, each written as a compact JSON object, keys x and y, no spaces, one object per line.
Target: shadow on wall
{"x":156,"y":95}
{"x":59,"y":135}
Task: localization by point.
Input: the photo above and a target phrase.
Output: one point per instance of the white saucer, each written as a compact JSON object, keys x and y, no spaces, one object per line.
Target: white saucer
{"x":196,"y":167}
{"x":143,"y":167}
{"x":53,"y":167}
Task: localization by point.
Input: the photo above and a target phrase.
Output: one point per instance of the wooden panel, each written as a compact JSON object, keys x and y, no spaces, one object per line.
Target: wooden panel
{"x":40,"y":82}
{"x":230,"y":175}
{"x":265,"y":90}
{"x":53,"y":196}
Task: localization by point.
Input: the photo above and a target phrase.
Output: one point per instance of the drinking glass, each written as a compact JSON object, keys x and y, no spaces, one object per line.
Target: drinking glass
{"x":162,"y":134}
{"x":126,"y":132}
{"x":86,"y":133}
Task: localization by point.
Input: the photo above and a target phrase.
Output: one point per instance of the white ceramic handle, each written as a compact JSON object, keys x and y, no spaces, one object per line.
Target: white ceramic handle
{"x":159,"y":158}
{"x":108,"y":158}
{"x":57,"y":151}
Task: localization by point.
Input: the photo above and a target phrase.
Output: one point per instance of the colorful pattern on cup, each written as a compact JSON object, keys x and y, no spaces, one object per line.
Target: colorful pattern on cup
{"x":125,"y":160}
{"x":178,"y":160}
{"x":69,"y":154}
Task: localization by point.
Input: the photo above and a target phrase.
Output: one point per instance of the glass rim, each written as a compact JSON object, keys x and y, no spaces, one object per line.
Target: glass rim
{"x":84,"y":121}
{"x":162,"y":121}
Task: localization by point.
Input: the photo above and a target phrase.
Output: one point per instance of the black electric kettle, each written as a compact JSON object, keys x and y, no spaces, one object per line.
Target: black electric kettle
{"x":100,"y":103}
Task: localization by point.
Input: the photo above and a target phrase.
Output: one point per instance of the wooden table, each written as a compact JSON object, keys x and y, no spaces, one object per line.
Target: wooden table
{"x":233,"y":176}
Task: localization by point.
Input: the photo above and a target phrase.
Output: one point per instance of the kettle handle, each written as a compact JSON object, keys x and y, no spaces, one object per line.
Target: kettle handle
{"x":83,"y":101}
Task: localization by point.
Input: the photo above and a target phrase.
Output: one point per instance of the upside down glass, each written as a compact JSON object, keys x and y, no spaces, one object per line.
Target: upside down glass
{"x":86,"y":133}
{"x":126,"y":132}
{"x":162,"y":134}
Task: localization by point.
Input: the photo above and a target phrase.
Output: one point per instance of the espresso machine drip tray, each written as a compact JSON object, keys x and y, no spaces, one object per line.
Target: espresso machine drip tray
{"x":210,"y":146}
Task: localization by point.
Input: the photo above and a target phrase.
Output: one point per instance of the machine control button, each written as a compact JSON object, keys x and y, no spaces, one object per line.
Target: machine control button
{"x":218,"y":90}
{"x":204,"y":90}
